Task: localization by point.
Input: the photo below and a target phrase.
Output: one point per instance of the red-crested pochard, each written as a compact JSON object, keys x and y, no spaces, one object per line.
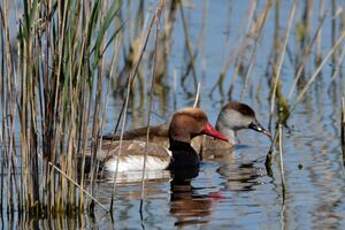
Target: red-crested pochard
{"x":234,"y":116}
{"x":184,"y":126}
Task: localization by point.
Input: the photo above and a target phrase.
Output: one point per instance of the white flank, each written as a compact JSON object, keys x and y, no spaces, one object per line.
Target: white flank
{"x":169,"y":152}
{"x":136,"y":176}
{"x":135,"y":163}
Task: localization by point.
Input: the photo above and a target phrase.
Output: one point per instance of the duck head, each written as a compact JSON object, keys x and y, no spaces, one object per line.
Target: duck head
{"x":235,"y":116}
{"x":189,"y":123}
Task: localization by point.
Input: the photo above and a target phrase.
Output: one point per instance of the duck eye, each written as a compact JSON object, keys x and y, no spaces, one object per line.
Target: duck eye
{"x":252,"y":125}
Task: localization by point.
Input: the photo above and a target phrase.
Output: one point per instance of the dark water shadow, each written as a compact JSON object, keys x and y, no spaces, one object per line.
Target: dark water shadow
{"x":185,"y":205}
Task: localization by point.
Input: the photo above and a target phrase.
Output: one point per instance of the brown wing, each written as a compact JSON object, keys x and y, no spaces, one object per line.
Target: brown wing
{"x":214,"y":148}
{"x":158,"y":134}
{"x":135,"y":148}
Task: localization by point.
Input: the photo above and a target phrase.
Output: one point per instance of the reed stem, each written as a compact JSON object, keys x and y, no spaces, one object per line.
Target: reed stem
{"x":78,"y":186}
{"x":197,"y":96}
{"x":130,"y":80}
{"x":281,"y":161}
{"x":342,"y":128}
{"x":317,"y":71}
{"x":154,"y":70}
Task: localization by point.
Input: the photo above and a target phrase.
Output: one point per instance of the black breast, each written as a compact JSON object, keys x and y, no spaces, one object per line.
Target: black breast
{"x":184,"y":156}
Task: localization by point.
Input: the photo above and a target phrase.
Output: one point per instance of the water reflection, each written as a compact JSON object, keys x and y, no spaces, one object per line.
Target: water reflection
{"x":241,"y":167}
{"x":232,"y":191}
{"x":243,"y":177}
{"x":56,"y":221}
{"x":185,"y":205}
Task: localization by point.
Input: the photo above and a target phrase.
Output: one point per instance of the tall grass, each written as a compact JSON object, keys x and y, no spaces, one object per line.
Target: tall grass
{"x":52,"y":88}
{"x":58,"y":98}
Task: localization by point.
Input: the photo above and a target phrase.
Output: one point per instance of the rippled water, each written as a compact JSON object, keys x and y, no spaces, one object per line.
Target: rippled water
{"x":235,"y":192}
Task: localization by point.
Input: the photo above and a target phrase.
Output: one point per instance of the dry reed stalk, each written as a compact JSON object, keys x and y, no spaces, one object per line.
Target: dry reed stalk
{"x":305,"y":54}
{"x":82,"y":128}
{"x":112,"y":73}
{"x":2,"y":133}
{"x":174,"y":88}
{"x":338,"y":65}
{"x":276,"y":81}
{"x":269,"y":156}
{"x":97,"y":121}
{"x":78,"y":186}
{"x":201,"y":40}
{"x":131,"y":77}
{"x":281,"y":161}
{"x":8,"y":114}
{"x":334,"y":28}
{"x":154,"y":70}
{"x":318,"y":54}
{"x":277,"y":71}
{"x":252,"y":29}
{"x":192,"y":54}
{"x":54,"y":106}
{"x":306,"y":21}
{"x":197,"y":95}
{"x":241,"y":52}
{"x":71,"y":126}
{"x":256,"y":32}
{"x":236,"y":55}
{"x":220,"y":80}
{"x":98,"y":49}
{"x":52,"y":93}
{"x":165,"y":40}
{"x":317,"y":71}
{"x":342,"y":128}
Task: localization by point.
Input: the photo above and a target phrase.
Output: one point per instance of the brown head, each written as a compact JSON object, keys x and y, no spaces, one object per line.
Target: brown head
{"x":235,"y":116}
{"x":189,"y":123}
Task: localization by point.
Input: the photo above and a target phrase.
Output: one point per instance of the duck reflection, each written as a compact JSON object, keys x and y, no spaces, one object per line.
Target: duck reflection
{"x":185,"y":204}
{"x":244,"y":177}
{"x":241,"y":174}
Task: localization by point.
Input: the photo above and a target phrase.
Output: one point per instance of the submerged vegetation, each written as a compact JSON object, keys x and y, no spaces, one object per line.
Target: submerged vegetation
{"x":62,"y":61}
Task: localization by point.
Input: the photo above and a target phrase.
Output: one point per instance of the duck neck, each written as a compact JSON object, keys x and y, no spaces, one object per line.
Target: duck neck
{"x":179,"y":145}
{"x":183,"y":155}
{"x":229,"y":133}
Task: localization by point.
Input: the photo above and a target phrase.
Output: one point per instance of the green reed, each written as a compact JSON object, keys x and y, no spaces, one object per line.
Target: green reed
{"x":50,"y":90}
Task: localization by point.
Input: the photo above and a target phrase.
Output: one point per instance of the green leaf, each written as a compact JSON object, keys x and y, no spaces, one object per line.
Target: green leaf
{"x":112,"y":12}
